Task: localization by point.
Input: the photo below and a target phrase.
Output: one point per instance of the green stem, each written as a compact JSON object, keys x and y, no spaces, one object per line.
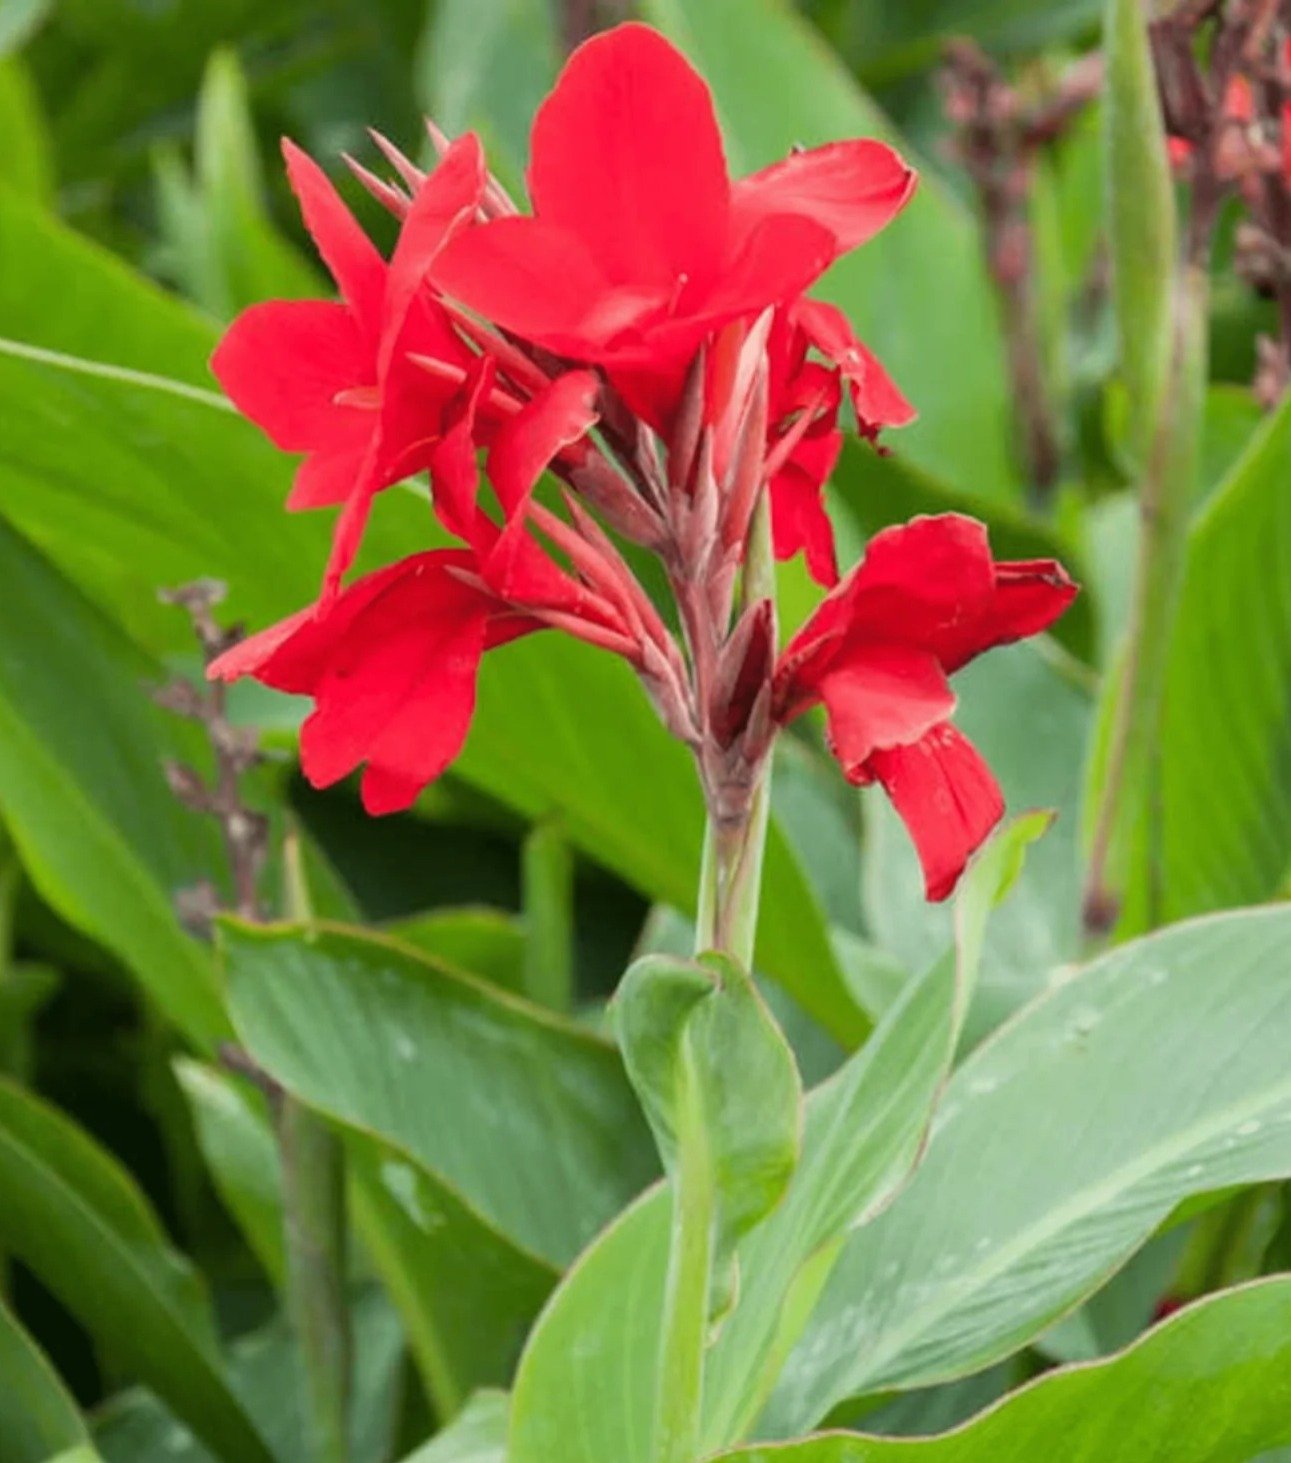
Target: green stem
{"x":690,"y":1264}
{"x":314,"y":1214}
{"x":314,"y":1221}
{"x":547,"y":874}
{"x":1127,"y":814}
{"x":730,"y":886}
{"x":730,"y":880}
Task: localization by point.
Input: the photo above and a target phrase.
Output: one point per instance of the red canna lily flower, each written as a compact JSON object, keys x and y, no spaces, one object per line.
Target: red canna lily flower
{"x":334,"y":379}
{"x":392,"y":661}
{"x":640,"y":244}
{"x":927,"y":598}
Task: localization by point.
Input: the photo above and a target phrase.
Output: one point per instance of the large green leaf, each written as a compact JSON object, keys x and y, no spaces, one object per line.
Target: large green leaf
{"x":82,"y":788}
{"x":160,"y":483}
{"x":863,"y":1133}
{"x":479,"y":1086}
{"x":40,"y":1419}
{"x":466,"y":1295}
{"x":918,"y":292}
{"x":1163,"y":1068}
{"x":76,"y":1219}
{"x":1225,"y":750}
{"x":1211,"y":1385}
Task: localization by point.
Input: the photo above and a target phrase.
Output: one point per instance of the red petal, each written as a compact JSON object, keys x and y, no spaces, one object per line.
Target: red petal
{"x":523,"y":448}
{"x":352,"y":258}
{"x":876,"y":397}
{"x":882,"y":696}
{"x":852,"y":188}
{"x":627,"y":155}
{"x":445,"y":201}
{"x":293,"y":654}
{"x":454,"y":473}
{"x":284,"y":361}
{"x":778,"y":259}
{"x":798,"y":517}
{"x":557,"y":417}
{"x":398,"y":687}
{"x":947,"y":797}
{"x":917,"y":584}
{"x":535,"y":279}
{"x":328,"y":475}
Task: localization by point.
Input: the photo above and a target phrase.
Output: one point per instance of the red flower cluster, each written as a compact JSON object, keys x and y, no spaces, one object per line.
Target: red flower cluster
{"x":645,"y":336}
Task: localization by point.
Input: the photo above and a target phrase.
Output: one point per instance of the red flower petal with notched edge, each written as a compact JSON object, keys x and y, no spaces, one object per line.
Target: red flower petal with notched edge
{"x":927,"y":598}
{"x":333,"y":379}
{"x":947,"y":797}
{"x":639,"y":244}
{"x":391,"y":665}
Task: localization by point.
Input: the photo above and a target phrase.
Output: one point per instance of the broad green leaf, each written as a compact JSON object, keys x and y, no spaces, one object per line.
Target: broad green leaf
{"x":72,"y":1216}
{"x":718,"y":1084}
{"x":467,"y":1297}
{"x":1141,"y":217}
{"x":1210,"y":1385}
{"x":570,"y":1400}
{"x":26,"y":165}
{"x":39,"y":1420}
{"x":918,"y":293}
{"x":480,"y":1087}
{"x":863,"y":1133}
{"x":1162,"y":1065}
{"x":1030,"y":719}
{"x":134,"y":1427}
{"x":477,"y":1436}
{"x":488,"y":943}
{"x":82,"y":788}
{"x":486,"y":68}
{"x":241,"y":1154}
{"x":161,"y":482}
{"x":1224,"y":755}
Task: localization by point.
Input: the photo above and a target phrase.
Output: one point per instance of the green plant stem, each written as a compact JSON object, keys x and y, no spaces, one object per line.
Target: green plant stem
{"x":690,"y":1264}
{"x":314,"y":1223}
{"x":547,"y":875}
{"x":730,"y":881}
{"x":729,"y":893}
{"x":314,"y":1216}
{"x":1127,"y":807}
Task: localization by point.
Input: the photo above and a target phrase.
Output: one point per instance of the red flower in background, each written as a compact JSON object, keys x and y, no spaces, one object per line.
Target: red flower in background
{"x":926,"y":599}
{"x":640,"y":244}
